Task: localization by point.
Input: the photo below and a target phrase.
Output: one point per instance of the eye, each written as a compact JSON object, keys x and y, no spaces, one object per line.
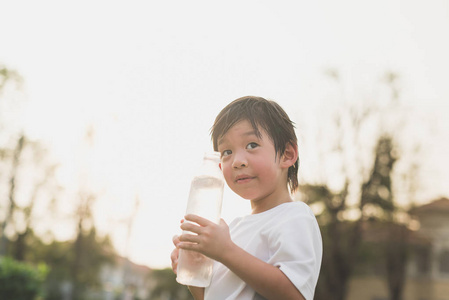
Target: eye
{"x":252,"y":146}
{"x":226,"y":153}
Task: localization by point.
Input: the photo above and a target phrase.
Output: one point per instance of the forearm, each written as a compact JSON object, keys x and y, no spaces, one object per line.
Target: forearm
{"x":197,"y":292}
{"x":267,"y":280}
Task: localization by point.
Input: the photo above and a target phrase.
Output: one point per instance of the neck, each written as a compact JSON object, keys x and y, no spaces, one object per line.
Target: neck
{"x":273,"y":200}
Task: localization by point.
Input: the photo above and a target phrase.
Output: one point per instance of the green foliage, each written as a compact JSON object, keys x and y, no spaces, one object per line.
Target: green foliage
{"x":82,"y":269}
{"x":21,"y":281}
{"x":55,"y":255}
{"x":59,"y":256}
{"x":91,"y":257}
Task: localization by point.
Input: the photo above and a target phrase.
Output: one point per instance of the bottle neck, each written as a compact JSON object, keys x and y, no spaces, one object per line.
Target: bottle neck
{"x":211,"y":165}
{"x":212,"y":156}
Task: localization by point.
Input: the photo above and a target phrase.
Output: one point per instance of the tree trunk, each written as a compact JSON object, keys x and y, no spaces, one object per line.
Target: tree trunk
{"x":20,"y":246}
{"x":396,"y":261}
{"x":12,"y":188}
{"x":78,"y":247}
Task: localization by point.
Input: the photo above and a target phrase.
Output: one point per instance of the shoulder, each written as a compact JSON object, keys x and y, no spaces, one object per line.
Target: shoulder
{"x":293,"y":210}
{"x":299,"y":207}
{"x":283,"y":215}
{"x":293,"y":219}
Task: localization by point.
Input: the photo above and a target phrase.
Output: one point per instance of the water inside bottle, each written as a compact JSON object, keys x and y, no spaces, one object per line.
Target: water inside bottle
{"x":206,"y":194}
{"x":196,"y":269}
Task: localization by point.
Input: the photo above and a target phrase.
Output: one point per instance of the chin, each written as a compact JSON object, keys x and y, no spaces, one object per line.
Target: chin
{"x":246,"y":195}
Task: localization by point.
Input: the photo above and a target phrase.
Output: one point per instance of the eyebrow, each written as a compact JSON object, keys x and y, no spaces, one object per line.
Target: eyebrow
{"x":248,"y":133}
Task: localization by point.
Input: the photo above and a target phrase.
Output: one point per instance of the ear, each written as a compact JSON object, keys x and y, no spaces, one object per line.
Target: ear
{"x":290,"y":155}
{"x":220,"y":166}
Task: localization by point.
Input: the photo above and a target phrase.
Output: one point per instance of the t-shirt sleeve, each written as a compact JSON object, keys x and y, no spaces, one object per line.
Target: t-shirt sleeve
{"x":296,"y":249}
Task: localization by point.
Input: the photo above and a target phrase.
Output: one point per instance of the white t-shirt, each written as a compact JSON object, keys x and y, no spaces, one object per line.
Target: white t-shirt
{"x":286,"y":236}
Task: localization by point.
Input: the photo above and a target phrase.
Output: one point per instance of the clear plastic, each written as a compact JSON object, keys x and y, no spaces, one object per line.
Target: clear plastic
{"x":205,"y":200}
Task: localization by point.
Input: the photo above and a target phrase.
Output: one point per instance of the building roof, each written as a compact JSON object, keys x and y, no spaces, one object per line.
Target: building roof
{"x":441,"y":205}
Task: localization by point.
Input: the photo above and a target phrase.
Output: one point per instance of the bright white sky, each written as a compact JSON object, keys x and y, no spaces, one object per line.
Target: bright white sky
{"x":150,"y":77}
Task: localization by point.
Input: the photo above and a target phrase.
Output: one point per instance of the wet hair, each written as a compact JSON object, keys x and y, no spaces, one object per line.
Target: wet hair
{"x":261,"y":113}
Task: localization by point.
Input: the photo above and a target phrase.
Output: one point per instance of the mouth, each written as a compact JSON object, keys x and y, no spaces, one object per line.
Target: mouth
{"x":243,"y":178}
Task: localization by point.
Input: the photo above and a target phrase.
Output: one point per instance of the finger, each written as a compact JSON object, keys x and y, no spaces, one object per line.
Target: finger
{"x":189,"y":246}
{"x":174,"y":266}
{"x":174,"y":260}
{"x":174,"y":255}
{"x":188,"y":226}
{"x":188,"y":238}
{"x":197,"y":219}
{"x":175,"y":240}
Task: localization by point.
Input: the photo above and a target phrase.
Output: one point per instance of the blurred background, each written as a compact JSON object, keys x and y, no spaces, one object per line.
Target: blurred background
{"x":105,"y":112}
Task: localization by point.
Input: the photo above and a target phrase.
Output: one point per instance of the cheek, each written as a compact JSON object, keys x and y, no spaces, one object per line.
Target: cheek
{"x":226,"y":172}
{"x":265,"y":169}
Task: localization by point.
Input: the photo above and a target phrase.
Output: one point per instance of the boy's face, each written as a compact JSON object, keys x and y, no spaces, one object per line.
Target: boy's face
{"x":249,"y":163}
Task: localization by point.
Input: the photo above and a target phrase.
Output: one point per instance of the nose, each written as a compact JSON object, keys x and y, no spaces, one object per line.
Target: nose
{"x":240,"y":161}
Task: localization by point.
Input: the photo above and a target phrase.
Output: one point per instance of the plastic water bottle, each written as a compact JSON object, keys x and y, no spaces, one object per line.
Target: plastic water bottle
{"x":205,"y":198}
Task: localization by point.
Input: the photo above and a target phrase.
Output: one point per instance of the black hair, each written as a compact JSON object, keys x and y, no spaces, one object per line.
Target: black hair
{"x":261,"y":113}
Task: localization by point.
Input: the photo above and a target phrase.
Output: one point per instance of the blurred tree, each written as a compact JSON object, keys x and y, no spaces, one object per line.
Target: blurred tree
{"x":7,"y":75}
{"x":10,"y":84}
{"x":366,"y":193}
{"x":378,"y":191}
{"x":22,"y":163}
{"x":62,"y":256}
{"x":166,"y":286}
{"x":340,"y":241}
{"x":89,"y":254}
{"x":29,"y":194}
{"x":342,"y":238}
{"x":33,"y":192}
{"x":11,"y":101}
{"x":21,"y":281}
{"x":11,"y":206}
{"x":397,"y":247}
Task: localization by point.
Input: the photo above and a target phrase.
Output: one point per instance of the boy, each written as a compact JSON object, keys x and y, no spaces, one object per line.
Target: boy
{"x":274,"y":253}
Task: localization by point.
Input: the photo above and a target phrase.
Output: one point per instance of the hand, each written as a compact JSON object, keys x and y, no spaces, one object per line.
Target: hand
{"x":212,"y":240}
{"x":175,"y":254}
